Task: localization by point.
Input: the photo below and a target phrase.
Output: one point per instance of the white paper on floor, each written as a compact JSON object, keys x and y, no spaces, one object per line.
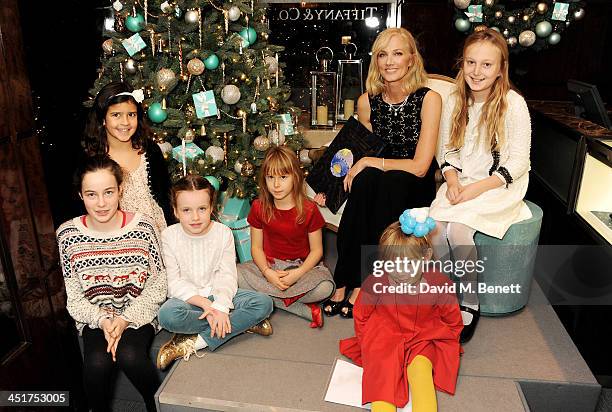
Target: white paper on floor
{"x":345,"y":386}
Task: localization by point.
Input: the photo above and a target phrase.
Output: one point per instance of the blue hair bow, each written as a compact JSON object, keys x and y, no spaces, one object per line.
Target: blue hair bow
{"x":417,"y":222}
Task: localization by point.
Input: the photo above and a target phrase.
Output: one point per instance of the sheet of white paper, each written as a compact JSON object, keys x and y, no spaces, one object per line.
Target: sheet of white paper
{"x":345,"y":386}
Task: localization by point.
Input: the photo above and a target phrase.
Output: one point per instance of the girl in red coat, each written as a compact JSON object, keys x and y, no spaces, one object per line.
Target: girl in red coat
{"x":407,"y":322}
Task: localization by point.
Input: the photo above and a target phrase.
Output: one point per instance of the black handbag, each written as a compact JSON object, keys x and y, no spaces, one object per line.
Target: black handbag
{"x":361,"y":142}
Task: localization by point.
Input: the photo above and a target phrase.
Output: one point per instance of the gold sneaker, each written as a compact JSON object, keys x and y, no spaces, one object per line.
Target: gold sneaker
{"x":177,"y":347}
{"x":263,"y":328}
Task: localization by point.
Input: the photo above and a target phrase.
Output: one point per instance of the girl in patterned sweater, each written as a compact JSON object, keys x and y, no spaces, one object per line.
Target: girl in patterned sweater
{"x":115,"y":281}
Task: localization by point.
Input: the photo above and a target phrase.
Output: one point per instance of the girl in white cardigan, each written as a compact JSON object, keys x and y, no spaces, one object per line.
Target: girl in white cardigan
{"x":486,"y":133}
{"x":202,"y":279}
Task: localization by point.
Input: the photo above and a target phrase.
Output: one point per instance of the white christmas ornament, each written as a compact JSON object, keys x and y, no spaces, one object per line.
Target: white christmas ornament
{"x":216,"y":153}
{"x":261,"y":143}
{"x":165,"y":147}
{"x":230,"y":94}
{"x":233,"y":13}
{"x":191,"y":17}
{"x":117,"y":5}
{"x":304,"y":158}
{"x":165,"y":7}
{"x":238,"y":166}
{"x":273,"y":137}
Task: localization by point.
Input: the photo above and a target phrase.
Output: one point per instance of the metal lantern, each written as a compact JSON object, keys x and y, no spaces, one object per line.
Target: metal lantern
{"x":350,"y":84}
{"x":323,"y":94}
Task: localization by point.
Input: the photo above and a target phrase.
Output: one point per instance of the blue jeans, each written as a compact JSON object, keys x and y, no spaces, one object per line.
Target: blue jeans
{"x":250,"y":308}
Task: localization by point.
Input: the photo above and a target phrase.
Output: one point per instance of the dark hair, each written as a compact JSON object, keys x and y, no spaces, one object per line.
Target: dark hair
{"x":95,"y":140}
{"x":93,"y":164}
{"x":191,"y":183}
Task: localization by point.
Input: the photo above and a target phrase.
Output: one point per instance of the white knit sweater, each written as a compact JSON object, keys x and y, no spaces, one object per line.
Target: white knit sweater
{"x":201,"y":265}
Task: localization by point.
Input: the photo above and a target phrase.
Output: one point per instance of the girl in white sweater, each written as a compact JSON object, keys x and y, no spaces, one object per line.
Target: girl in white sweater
{"x":486,"y":133}
{"x":202,"y":281}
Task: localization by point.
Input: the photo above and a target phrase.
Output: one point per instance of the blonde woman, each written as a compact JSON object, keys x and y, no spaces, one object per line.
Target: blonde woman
{"x":405,"y":115}
{"x":487,"y":136}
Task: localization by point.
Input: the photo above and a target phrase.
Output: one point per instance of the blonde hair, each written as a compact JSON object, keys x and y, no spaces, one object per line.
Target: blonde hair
{"x":395,"y":244}
{"x":416,"y":76}
{"x":493,"y":113}
{"x":280,"y":160}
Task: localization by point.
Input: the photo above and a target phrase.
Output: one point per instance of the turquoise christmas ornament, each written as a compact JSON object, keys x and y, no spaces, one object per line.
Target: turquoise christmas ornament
{"x":156,"y":113}
{"x":135,"y":23}
{"x":249,"y":34}
{"x":214,"y":182}
{"x":462,"y":25}
{"x":211,"y":62}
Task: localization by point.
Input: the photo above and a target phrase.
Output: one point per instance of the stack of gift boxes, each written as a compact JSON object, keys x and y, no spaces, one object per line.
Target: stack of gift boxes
{"x":233,"y":213}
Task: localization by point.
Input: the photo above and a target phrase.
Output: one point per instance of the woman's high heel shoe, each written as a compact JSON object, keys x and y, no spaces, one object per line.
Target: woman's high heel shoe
{"x":346,"y":310}
{"x":332,"y":308}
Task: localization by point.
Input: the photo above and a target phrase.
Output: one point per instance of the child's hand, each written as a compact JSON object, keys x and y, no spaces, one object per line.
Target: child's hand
{"x":320,"y":199}
{"x":274,"y":277}
{"x":219,"y":323}
{"x":201,"y":302}
{"x":290,"y":277}
{"x":468,"y":192}
{"x":453,"y":190}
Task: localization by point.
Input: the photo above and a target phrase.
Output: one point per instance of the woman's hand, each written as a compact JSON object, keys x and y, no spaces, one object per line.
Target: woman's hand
{"x":320,"y":199}
{"x":452,"y":192}
{"x":274,"y":277}
{"x":354,"y":171}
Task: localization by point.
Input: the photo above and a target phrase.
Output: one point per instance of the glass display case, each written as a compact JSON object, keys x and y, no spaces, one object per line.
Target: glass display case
{"x":594,"y":201}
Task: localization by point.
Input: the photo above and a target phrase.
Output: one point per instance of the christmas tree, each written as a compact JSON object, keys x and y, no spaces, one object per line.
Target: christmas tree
{"x":212,"y":85}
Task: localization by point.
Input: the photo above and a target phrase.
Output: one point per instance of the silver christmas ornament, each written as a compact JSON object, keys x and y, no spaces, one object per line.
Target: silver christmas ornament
{"x":233,"y":13}
{"x":261,"y":143}
{"x":579,"y":14}
{"x":506,"y":33}
{"x":498,"y":14}
{"x":511,"y":19}
{"x":527,"y":38}
{"x":190,"y":134}
{"x":272,"y":64}
{"x":462,"y":24}
{"x":195,"y":66}
{"x":462,"y":4}
{"x":542,"y":8}
{"x":216,"y":153}
{"x":273,"y":136}
{"x":166,"y":7}
{"x":253,"y":107}
{"x":512,"y":41}
{"x":130,"y":66}
{"x":543,"y":28}
{"x":554,"y":38}
{"x":191,"y":17}
{"x":230,"y":94}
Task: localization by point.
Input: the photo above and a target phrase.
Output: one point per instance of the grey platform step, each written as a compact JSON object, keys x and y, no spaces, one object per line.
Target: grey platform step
{"x":521,"y":362}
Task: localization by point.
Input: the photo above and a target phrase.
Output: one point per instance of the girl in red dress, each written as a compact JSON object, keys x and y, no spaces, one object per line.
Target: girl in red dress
{"x":286,"y":241}
{"x":407,"y":322}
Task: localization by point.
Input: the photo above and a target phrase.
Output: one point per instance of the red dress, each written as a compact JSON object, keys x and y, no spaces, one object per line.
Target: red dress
{"x":391,"y":329}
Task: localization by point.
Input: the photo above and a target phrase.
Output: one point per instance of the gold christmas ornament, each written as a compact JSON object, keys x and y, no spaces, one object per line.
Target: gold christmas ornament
{"x":489,"y":2}
{"x":165,"y":78}
{"x":512,"y":41}
{"x":498,"y":14}
{"x":119,"y":25}
{"x":247,"y":169}
{"x":107,"y":46}
{"x":462,"y":4}
{"x":191,"y":17}
{"x":511,"y":19}
{"x":195,"y":66}
{"x":480,"y":27}
{"x":261,"y":143}
{"x":526,"y":18}
{"x":527,"y":38}
{"x":190,"y":112}
{"x":542,"y":8}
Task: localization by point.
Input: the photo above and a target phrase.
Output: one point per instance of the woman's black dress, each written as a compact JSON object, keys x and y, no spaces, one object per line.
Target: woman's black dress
{"x":378,"y":198}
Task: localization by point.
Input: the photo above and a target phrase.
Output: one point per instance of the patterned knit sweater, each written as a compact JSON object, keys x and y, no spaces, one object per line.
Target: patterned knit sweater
{"x":119,"y":272}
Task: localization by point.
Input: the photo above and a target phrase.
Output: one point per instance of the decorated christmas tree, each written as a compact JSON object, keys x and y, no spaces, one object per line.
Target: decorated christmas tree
{"x":213,"y":86}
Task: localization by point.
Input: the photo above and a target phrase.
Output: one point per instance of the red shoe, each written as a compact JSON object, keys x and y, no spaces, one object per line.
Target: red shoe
{"x":317,"y":315}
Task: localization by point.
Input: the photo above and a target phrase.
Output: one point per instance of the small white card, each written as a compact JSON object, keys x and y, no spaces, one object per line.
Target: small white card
{"x":345,"y":386}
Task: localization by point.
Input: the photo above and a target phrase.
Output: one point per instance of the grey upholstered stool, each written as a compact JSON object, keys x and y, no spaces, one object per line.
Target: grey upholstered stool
{"x":509,"y":261}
